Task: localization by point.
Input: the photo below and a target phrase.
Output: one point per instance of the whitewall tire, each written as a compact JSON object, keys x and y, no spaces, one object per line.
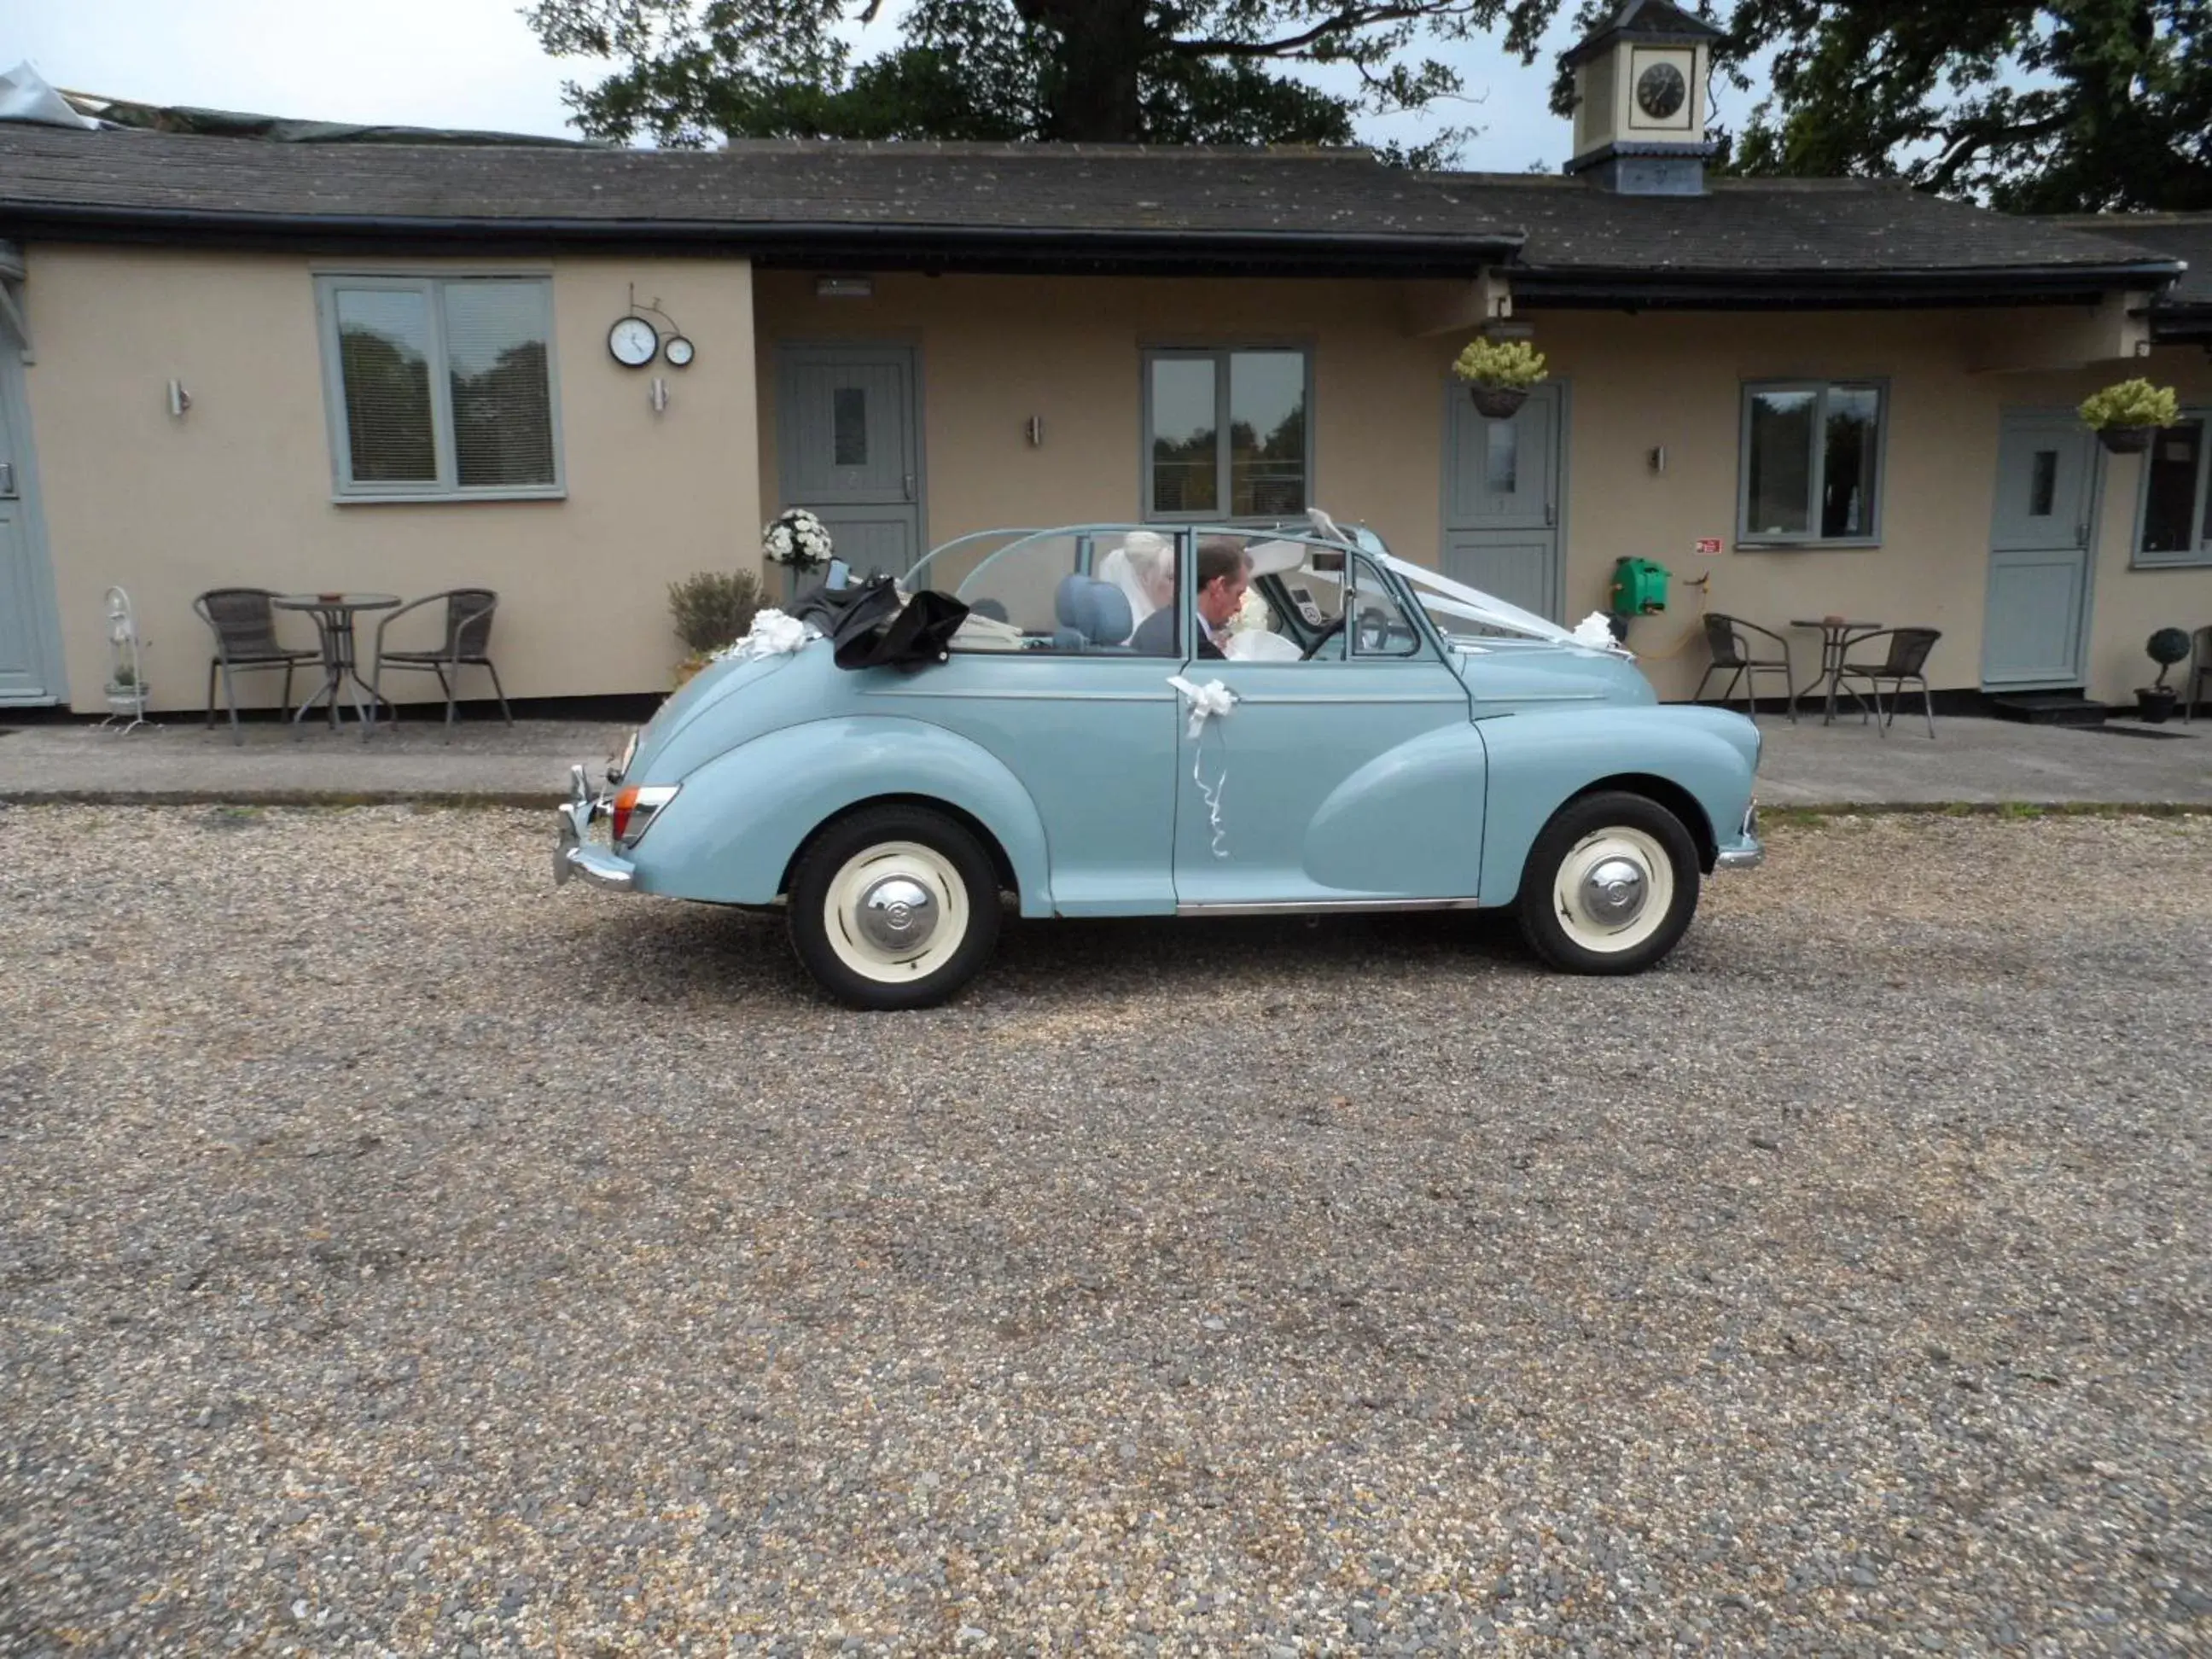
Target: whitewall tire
{"x":1610,"y":885}
{"x":894,"y":907}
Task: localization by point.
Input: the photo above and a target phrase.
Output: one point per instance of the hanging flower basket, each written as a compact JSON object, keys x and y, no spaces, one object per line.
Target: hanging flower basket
{"x":1498,"y":403}
{"x":1498,"y":375}
{"x":2125,"y":415}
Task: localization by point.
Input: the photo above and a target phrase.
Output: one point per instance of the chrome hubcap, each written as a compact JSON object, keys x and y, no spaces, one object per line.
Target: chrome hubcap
{"x":896,"y":914}
{"x":1614,"y":892}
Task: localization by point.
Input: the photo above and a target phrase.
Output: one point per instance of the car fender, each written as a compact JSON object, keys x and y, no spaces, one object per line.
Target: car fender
{"x":1539,"y":760}
{"x":732,"y":830}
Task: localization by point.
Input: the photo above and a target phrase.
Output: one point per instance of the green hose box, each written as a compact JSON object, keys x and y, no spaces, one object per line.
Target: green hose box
{"x":1639,"y":587}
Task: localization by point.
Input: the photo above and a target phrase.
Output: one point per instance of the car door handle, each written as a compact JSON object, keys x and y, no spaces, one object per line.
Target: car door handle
{"x":7,"y":477}
{"x":907,"y":484}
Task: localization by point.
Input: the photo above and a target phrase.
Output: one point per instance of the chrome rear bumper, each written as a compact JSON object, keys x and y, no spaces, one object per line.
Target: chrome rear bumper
{"x":572,"y":852}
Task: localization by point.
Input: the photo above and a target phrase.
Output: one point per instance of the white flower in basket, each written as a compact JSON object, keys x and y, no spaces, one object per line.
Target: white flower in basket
{"x":797,"y":539}
{"x":1253,"y":615}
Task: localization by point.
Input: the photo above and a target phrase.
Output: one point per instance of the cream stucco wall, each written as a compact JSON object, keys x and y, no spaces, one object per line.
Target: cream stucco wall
{"x":238,"y":491}
{"x":994,"y":350}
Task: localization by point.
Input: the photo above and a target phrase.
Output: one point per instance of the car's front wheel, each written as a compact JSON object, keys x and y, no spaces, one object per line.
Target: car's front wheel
{"x":894,"y":906}
{"x":1610,"y":885}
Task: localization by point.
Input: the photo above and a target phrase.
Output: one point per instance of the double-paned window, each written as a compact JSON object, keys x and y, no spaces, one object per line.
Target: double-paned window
{"x":2176,"y":516}
{"x":1225,"y":434}
{"x":1812,"y":458}
{"x":439,"y":385}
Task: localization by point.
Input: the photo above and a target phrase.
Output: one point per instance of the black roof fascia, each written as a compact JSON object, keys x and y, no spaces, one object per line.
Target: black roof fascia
{"x":880,"y":247}
{"x":1753,"y":290}
{"x":2181,"y":324}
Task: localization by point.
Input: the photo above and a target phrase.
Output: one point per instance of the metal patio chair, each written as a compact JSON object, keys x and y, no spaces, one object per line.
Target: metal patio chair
{"x":1907,"y":659}
{"x":2200,"y":671}
{"x":467,"y":644}
{"x":245,"y":628}
{"x":1726,"y":638}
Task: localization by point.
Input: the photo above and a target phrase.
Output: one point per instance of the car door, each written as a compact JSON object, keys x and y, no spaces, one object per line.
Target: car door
{"x":1355,"y":778}
{"x":1084,"y":722}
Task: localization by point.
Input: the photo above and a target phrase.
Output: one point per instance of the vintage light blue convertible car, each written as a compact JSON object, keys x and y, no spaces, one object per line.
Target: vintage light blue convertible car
{"x":1373,"y":738}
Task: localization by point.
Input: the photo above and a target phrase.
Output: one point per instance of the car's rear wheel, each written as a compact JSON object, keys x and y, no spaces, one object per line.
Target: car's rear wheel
{"x":1610,"y":885}
{"x":894,"y":906}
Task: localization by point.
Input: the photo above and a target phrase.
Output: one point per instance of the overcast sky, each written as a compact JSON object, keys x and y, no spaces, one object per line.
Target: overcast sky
{"x":476,"y":63}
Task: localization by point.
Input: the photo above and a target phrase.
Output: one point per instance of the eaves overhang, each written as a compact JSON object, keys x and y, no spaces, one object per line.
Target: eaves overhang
{"x":1642,"y":288}
{"x":1163,"y":250}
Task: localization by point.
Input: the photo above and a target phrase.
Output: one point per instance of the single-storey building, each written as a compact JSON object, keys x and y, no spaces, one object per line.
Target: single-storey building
{"x":401,"y":368}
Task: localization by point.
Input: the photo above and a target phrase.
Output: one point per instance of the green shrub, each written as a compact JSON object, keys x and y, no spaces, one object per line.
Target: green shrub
{"x":2130,"y":403}
{"x":2166,"y":647}
{"x":715,"y":608}
{"x":1511,"y":363}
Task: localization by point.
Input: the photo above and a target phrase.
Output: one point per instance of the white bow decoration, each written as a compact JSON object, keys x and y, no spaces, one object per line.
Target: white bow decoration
{"x":1595,"y":632}
{"x":1211,"y":701}
{"x":772,"y":634}
{"x":1207,"y":700}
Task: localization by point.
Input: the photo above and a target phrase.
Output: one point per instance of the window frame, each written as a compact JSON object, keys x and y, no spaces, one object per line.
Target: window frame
{"x":1816,"y":476}
{"x":1219,"y":356}
{"x":348,"y":490}
{"x":2200,"y":555}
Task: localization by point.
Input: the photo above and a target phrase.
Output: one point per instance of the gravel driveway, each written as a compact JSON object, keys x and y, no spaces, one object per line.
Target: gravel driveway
{"x":398,"y":1256}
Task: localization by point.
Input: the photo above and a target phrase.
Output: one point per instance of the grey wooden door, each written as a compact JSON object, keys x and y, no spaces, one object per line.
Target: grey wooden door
{"x":850,"y":448}
{"x":1501,"y":530}
{"x":2037,"y":614}
{"x":27,"y":671}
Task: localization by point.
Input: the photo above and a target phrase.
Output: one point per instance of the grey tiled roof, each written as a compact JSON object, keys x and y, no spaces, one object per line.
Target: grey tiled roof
{"x":1070,"y":187}
{"x":793,"y":200}
{"x":1777,"y":225}
{"x":2176,"y":235}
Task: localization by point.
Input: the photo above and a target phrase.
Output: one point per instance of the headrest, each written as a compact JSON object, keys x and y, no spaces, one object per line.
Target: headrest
{"x":1097,"y":610}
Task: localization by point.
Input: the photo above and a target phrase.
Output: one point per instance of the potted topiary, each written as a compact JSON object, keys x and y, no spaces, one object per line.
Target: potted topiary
{"x":1499,"y":373}
{"x":712,"y":610}
{"x":2154,"y":701}
{"x":2125,"y":413}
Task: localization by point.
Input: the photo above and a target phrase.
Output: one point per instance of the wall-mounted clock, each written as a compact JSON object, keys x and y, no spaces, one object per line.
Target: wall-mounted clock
{"x":633,"y":341}
{"x":1660,"y":91}
{"x":679,"y":351}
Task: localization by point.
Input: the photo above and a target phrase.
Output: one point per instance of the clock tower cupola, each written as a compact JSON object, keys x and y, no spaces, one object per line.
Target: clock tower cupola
{"x":1640,"y":101}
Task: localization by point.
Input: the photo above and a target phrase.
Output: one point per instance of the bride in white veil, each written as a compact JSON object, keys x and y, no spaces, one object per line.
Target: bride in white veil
{"x":1143,"y":568}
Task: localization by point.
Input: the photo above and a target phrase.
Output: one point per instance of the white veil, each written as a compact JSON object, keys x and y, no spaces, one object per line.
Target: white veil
{"x":1141,"y":553}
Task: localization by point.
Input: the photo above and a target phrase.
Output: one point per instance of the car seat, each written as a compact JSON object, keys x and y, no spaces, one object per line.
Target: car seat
{"x":1093,"y":616}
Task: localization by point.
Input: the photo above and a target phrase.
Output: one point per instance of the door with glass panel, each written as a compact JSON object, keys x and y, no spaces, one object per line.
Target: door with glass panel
{"x":849,"y":449}
{"x":2036,"y":626}
{"x":29,"y":669}
{"x":1502,"y":498}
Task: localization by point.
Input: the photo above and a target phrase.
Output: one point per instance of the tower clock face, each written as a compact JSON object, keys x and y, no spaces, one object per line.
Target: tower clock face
{"x":1660,"y":91}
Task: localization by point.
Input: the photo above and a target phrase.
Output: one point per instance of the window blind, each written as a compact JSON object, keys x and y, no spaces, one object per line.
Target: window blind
{"x":495,"y":363}
{"x":384,"y":357}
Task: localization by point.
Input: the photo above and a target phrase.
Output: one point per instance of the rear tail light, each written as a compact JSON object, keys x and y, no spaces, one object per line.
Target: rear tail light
{"x":635,"y":807}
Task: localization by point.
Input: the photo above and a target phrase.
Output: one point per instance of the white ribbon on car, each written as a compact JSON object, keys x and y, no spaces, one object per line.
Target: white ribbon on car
{"x":1594,"y":631}
{"x":1210,"y":702}
{"x":772,"y":634}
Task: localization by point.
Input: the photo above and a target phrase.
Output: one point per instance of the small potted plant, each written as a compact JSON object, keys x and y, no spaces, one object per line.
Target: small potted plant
{"x":712,"y":610}
{"x":1499,"y":373}
{"x":2154,"y":701}
{"x":2124,"y":414}
{"x":798,"y":541}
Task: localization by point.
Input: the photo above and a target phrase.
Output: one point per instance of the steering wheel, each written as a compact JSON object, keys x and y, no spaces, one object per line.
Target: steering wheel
{"x":1328,"y":633}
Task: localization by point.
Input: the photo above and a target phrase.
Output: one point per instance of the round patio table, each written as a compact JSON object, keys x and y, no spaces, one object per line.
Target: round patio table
{"x":1836,"y":636}
{"x":334,"y":614}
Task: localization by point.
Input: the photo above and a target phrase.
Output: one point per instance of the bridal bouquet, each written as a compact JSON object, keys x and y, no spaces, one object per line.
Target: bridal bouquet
{"x":796,"y":538}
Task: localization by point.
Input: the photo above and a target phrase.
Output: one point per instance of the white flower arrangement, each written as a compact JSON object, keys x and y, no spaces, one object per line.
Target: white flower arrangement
{"x":1253,"y":616}
{"x":796,"y":538}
